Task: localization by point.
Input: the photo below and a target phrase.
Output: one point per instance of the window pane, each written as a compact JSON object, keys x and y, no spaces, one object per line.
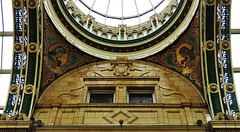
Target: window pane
{"x":7,"y":15}
{"x":101,"y":98}
{"x":235,"y":19}
{"x":101,"y":6}
{"x":131,"y":22}
{"x":129,"y":8}
{"x":143,"y":5}
{"x":115,"y":8}
{"x":83,"y":8}
{"x":140,"y":98}
{"x":7,"y":52}
{"x":4,"y":81}
{"x":98,"y":17}
{"x":235,"y":46}
{"x":146,"y":17}
{"x":113,"y":22}
{"x":237,"y":85}
{"x":161,"y":6}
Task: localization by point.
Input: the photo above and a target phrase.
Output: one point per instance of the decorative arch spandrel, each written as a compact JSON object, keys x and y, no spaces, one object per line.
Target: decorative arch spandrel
{"x":169,"y":86}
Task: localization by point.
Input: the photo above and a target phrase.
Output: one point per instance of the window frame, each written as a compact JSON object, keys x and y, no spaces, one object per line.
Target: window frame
{"x":99,"y":91}
{"x":142,"y":91}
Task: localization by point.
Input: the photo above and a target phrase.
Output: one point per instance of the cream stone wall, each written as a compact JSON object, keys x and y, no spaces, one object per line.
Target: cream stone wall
{"x":177,"y":101}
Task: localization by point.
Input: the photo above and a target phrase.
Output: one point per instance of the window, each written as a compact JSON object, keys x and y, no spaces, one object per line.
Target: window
{"x":6,"y":48}
{"x":101,"y":95}
{"x":104,"y":35}
{"x":140,"y":35}
{"x":140,"y":98}
{"x":101,"y":98}
{"x":235,"y":44}
{"x":130,"y":37}
{"x":141,"y":95}
{"x":114,"y":37}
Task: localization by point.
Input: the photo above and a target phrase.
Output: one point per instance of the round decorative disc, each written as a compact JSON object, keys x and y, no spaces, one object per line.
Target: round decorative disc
{"x":213,"y":87}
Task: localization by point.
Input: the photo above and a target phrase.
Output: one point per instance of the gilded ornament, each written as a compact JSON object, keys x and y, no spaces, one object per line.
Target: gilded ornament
{"x":17,"y":3}
{"x":225,"y":1}
{"x":210,"y":45}
{"x":18,"y":47}
{"x":32,"y":47}
{"x":230,"y":87}
{"x":13,"y":89}
{"x":29,"y":89}
{"x":213,"y":88}
{"x":210,"y":1}
{"x":32,"y":3}
{"x":225,"y":45}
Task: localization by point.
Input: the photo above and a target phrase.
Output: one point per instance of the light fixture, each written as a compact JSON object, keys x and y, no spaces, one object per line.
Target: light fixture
{"x":199,"y":122}
{"x":121,"y":122}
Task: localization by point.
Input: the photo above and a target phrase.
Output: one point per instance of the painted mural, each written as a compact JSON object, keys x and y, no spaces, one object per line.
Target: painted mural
{"x":184,"y":55}
{"x":59,"y":56}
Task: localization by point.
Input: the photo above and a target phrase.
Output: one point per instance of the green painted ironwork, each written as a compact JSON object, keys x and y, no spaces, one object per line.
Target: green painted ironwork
{"x":31,"y":68}
{"x":26,"y":104}
{"x":33,"y":28}
{"x":209,"y":32}
{"x":216,"y":104}
{"x":211,"y":67}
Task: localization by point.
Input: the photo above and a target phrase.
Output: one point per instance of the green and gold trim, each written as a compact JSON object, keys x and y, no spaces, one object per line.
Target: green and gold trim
{"x":212,"y":92}
{"x":23,"y":87}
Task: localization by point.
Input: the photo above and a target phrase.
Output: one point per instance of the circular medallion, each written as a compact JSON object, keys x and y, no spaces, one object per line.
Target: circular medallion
{"x":29,"y":89}
{"x":226,"y":1}
{"x":210,"y":1}
{"x":13,"y":89}
{"x":32,"y":47}
{"x":32,"y":3}
{"x":18,"y":47}
{"x":210,"y":45}
{"x":213,"y":87}
{"x":225,"y":45}
{"x":230,"y":87}
{"x":17,"y":3}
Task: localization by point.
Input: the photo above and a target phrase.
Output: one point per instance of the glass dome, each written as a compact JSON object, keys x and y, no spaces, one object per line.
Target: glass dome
{"x":133,"y":28}
{"x":119,"y":12}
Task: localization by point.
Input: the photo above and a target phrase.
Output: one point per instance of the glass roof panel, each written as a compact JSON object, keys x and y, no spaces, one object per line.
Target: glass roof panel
{"x":143,"y":5}
{"x":131,"y":22}
{"x":129,"y":8}
{"x":88,"y":2}
{"x":235,"y":19}
{"x":7,"y":52}
{"x":237,"y":85}
{"x":8,"y":21}
{"x":4,"y":80}
{"x":154,"y":2}
{"x":83,"y":8}
{"x":113,"y":22}
{"x":161,"y":6}
{"x":115,"y":8}
{"x":101,"y":6}
{"x":98,"y":17}
{"x":235,"y":46}
{"x":146,"y":17}
{"x":1,"y":28}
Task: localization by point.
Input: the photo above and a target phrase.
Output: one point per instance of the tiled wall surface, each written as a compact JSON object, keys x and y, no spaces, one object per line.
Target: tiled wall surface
{"x":177,"y":101}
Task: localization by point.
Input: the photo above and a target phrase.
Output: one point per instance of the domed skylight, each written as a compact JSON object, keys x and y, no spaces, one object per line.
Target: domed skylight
{"x":117,"y":12}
